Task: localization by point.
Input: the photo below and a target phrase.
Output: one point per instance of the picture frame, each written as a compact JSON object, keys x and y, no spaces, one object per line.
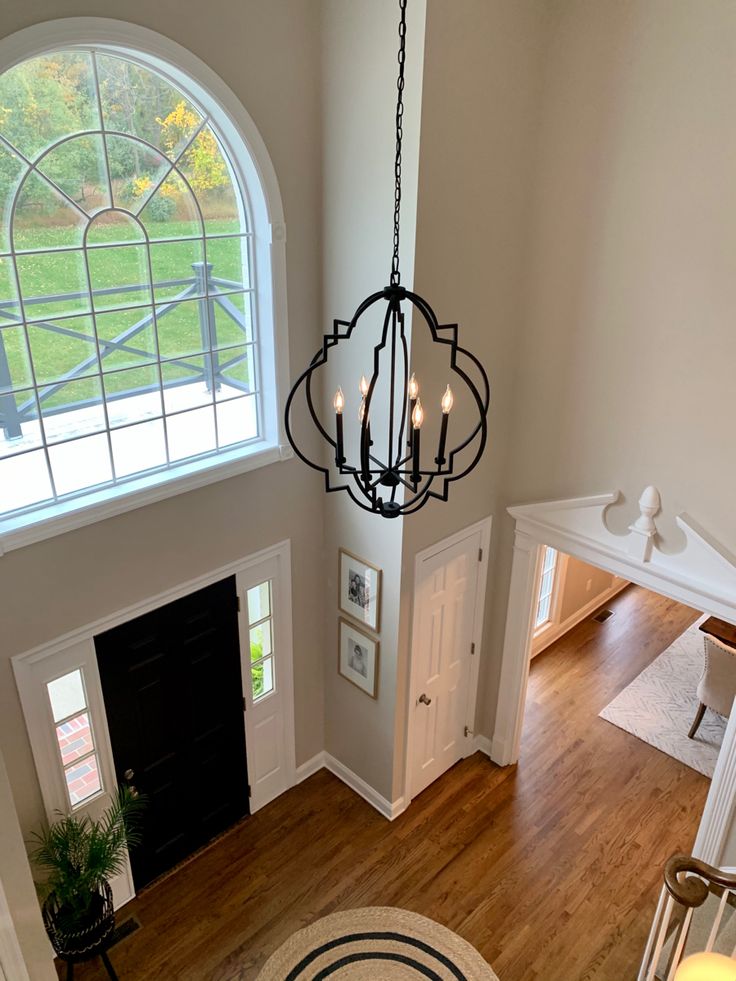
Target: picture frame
{"x":358,"y":657}
{"x":359,"y":589}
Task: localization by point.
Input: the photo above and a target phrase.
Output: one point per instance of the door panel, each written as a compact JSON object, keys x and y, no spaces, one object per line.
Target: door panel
{"x":446,"y":596}
{"x":265,"y":601}
{"x":173,"y":696}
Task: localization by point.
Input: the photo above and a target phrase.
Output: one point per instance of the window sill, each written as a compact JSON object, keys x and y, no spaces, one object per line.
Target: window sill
{"x":18,"y":531}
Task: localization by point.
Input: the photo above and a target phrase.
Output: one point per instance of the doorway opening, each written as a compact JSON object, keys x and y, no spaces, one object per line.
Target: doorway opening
{"x":171,"y":684}
{"x":614,"y":661}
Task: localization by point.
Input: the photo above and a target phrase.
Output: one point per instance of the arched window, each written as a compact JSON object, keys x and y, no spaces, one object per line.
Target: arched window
{"x":131,"y":347}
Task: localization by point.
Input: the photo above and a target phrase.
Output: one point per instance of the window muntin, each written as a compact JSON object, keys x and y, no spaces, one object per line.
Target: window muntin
{"x":127,"y":329}
{"x":546,"y":588}
{"x":74,"y":737}
{"x":260,"y":634}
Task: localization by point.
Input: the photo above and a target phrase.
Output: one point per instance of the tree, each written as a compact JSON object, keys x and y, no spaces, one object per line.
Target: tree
{"x":42,"y":100}
{"x":202,"y":163}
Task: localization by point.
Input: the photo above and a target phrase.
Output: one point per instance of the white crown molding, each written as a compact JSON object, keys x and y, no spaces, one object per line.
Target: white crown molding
{"x":703,"y":566}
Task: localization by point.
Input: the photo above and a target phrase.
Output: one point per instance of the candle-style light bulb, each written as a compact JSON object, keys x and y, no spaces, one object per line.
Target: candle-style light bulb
{"x":361,"y":411}
{"x":447,"y":399}
{"x":413,"y":386}
{"x":417,"y":416}
{"x":339,"y":401}
{"x":363,"y":386}
{"x":708,"y":966}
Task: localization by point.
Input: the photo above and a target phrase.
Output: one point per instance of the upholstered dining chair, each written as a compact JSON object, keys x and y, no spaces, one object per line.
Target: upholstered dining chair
{"x":717,"y":687}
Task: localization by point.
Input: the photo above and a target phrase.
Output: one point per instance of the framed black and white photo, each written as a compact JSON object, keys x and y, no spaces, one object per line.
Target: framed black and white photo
{"x":357,"y":657}
{"x":359,"y":585}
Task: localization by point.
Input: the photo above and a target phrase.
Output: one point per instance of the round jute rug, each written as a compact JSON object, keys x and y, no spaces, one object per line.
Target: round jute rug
{"x":378,"y":943}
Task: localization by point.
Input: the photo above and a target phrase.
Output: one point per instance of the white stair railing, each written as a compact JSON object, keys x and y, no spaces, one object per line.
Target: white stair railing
{"x":696,"y":911}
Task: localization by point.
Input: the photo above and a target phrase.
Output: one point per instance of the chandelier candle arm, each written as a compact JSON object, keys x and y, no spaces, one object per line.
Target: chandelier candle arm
{"x":413,"y":396}
{"x":339,"y":404}
{"x":417,"y":418}
{"x":365,"y":438}
{"x":447,"y":400}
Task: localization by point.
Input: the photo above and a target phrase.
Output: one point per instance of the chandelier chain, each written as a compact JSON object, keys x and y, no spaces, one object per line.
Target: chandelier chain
{"x":395,"y":273}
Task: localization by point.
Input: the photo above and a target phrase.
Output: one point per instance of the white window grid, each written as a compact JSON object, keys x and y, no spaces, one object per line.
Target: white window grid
{"x":26,"y":320}
{"x":543,"y":611}
{"x":265,"y":622}
{"x":76,"y":801}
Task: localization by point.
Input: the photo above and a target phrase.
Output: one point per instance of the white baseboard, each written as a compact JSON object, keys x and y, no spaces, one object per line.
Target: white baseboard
{"x":499,"y":751}
{"x":304,"y":770}
{"x":560,"y":629}
{"x":482,"y":744}
{"x":386,"y":808}
{"x":324,"y":760}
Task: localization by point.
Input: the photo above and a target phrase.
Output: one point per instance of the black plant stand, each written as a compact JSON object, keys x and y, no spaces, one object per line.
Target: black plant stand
{"x":101,"y":952}
{"x":85,"y":943}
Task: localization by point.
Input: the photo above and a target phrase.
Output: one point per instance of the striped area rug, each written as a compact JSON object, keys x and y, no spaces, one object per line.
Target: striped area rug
{"x":378,"y":942}
{"x":660,"y":704}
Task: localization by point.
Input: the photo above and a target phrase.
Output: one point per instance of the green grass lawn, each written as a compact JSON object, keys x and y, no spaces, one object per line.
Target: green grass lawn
{"x":179,"y":331}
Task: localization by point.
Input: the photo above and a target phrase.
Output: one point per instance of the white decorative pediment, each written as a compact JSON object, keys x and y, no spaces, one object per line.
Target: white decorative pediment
{"x":578,"y":526}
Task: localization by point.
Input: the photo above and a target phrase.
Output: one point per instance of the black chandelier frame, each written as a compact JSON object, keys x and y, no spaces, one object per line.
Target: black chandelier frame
{"x":374,"y":484}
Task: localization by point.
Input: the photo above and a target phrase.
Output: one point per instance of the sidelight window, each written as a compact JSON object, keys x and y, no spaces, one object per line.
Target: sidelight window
{"x":260,"y":625}
{"x":546,"y":587}
{"x":74,"y":738}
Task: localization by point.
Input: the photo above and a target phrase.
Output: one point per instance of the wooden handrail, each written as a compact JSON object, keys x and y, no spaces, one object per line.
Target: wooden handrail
{"x":691,"y":890}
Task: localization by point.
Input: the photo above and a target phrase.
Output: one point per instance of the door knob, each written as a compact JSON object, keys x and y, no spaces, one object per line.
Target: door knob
{"x":128,"y":778}
{"x":424,"y":700}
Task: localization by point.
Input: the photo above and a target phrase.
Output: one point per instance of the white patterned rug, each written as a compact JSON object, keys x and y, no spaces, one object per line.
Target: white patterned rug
{"x":660,"y":704}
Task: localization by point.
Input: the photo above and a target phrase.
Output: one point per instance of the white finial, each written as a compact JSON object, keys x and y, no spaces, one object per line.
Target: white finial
{"x":649,"y":504}
{"x":644,"y":529}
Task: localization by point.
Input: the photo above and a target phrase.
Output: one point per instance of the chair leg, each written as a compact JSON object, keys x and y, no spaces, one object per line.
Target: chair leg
{"x":70,"y":971}
{"x":698,"y":719}
{"x":108,"y":965}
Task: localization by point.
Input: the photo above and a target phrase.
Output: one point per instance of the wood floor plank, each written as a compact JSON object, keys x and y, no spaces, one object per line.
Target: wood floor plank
{"x":551,"y":868}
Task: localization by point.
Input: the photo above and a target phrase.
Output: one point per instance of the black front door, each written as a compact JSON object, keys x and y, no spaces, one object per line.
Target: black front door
{"x":173,"y":696}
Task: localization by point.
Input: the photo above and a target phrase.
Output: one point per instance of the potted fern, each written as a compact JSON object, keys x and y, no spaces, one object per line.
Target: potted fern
{"x":79,"y":856}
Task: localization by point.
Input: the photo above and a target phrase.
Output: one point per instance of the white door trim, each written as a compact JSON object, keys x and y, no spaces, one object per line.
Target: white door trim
{"x":77,"y":649}
{"x":12,"y":965}
{"x":701,"y":575}
{"x":484,"y":528}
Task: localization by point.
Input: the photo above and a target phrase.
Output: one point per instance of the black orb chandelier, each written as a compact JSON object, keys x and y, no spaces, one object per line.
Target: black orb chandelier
{"x":391,"y":474}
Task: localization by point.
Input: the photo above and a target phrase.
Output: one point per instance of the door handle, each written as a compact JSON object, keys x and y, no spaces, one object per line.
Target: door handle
{"x":128,"y":778}
{"x":424,"y":700}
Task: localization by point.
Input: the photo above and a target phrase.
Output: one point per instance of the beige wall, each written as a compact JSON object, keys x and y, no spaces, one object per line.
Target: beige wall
{"x":583,"y":584}
{"x":624,"y":370}
{"x":359,"y":93}
{"x":479,"y":121}
{"x":625,"y":362}
{"x":268,"y":53}
{"x":576,"y":209}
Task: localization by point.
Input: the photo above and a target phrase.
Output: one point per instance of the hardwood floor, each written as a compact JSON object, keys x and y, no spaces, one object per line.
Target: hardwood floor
{"x":551,"y":869}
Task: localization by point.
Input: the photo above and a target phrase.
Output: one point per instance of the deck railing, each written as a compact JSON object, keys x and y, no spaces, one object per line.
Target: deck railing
{"x":696,"y":912}
{"x":210,"y":292}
